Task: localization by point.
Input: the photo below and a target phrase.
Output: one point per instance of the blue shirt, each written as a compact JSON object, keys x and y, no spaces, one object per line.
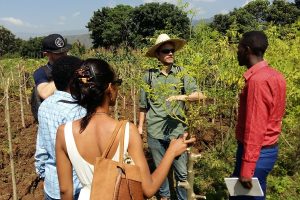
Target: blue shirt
{"x":40,"y":75}
{"x":53,"y":113}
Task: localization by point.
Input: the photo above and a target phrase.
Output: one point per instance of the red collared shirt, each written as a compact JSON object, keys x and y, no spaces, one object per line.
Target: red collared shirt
{"x":262,"y":106}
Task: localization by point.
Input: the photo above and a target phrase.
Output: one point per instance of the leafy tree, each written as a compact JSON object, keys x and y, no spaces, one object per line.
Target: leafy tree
{"x":31,"y":48}
{"x":244,"y":19}
{"x":95,"y":25}
{"x":221,"y":22}
{"x":282,"y":12}
{"x":151,"y":17}
{"x":257,"y":14}
{"x":78,"y":49}
{"x":258,"y":9}
{"x":124,"y":25}
{"x":110,"y":26}
{"x":7,"y":42}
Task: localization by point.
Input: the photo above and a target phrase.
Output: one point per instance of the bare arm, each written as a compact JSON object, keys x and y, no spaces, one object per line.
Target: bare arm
{"x":195,"y":96}
{"x":64,"y":166}
{"x":46,"y":89}
{"x":142,"y":115}
{"x":151,"y":182}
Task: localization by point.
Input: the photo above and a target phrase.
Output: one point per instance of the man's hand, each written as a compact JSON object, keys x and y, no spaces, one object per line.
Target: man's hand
{"x":177,"y":98}
{"x":246,"y":182}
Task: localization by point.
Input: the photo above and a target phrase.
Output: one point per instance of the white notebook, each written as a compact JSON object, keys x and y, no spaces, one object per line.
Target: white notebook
{"x":235,"y":187}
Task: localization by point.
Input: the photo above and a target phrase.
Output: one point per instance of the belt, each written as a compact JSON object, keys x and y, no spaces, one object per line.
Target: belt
{"x":270,"y":146}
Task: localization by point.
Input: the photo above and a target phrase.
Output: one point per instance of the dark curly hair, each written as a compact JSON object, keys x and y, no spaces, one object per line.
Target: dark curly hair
{"x":89,"y":84}
{"x":63,"y":70}
{"x":257,"y":41}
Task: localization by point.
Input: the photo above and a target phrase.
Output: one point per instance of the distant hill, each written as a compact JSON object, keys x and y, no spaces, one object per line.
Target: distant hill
{"x":72,"y":36}
{"x":84,"y":39}
{"x":208,"y":20}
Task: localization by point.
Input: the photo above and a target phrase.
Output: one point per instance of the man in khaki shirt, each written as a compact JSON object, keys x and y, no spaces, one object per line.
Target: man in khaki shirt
{"x":165,"y":105}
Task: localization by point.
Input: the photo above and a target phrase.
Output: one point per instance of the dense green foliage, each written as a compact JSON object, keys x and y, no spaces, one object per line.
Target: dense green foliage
{"x":31,"y":48}
{"x":152,"y":17}
{"x":77,"y":49}
{"x":257,"y":14}
{"x":111,"y":26}
{"x":127,"y":26}
{"x":8,"y":43}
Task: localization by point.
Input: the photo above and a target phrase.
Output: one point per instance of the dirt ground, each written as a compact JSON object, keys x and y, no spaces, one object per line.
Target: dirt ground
{"x":24,"y":140}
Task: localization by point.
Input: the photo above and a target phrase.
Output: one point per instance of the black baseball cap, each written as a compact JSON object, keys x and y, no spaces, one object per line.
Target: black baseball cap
{"x":55,"y":43}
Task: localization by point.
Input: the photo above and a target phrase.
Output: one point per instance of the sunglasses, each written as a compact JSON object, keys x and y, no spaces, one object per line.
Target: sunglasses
{"x":167,"y":51}
{"x":117,"y":82}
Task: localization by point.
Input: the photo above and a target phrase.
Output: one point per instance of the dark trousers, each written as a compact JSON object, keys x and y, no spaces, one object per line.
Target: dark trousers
{"x":264,"y":165}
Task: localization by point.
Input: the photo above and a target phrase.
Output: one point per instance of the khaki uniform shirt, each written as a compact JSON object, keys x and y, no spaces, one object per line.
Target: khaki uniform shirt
{"x":161,"y":115}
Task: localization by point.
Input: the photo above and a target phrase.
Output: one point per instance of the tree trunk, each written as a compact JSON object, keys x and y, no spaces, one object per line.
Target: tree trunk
{"x":189,"y":184}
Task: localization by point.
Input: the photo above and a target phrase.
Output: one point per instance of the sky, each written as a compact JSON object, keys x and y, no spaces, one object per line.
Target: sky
{"x":46,"y":16}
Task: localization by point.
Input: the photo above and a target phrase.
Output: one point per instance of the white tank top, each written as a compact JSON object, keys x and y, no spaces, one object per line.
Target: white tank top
{"x":85,"y":170}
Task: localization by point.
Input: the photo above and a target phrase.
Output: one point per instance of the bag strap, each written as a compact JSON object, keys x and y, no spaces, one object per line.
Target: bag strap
{"x":121,"y":158}
{"x":122,"y":136}
{"x":112,"y":139}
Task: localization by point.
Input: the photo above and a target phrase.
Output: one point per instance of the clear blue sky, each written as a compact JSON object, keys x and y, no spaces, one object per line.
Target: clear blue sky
{"x":44,"y":16}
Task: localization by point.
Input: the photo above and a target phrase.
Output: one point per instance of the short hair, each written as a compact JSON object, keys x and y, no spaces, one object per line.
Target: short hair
{"x":63,"y":70}
{"x":257,"y":41}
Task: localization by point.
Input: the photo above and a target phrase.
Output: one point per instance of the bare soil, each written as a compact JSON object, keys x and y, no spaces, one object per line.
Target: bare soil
{"x":23,"y":144}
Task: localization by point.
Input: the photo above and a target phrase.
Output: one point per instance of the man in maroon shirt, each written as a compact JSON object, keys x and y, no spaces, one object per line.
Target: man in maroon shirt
{"x":262,"y":106}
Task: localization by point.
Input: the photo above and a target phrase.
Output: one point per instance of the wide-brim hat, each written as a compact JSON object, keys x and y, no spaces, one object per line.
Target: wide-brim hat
{"x":164,"y":38}
{"x":55,"y":43}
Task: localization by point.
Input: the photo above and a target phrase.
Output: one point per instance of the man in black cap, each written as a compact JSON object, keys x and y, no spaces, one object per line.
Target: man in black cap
{"x":54,"y":46}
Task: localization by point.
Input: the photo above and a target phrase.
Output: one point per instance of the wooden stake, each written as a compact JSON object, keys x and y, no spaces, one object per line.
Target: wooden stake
{"x":21,"y":96}
{"x":11,"y":155}
{"x":25,"y":80}
{"x":133,"y":91}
